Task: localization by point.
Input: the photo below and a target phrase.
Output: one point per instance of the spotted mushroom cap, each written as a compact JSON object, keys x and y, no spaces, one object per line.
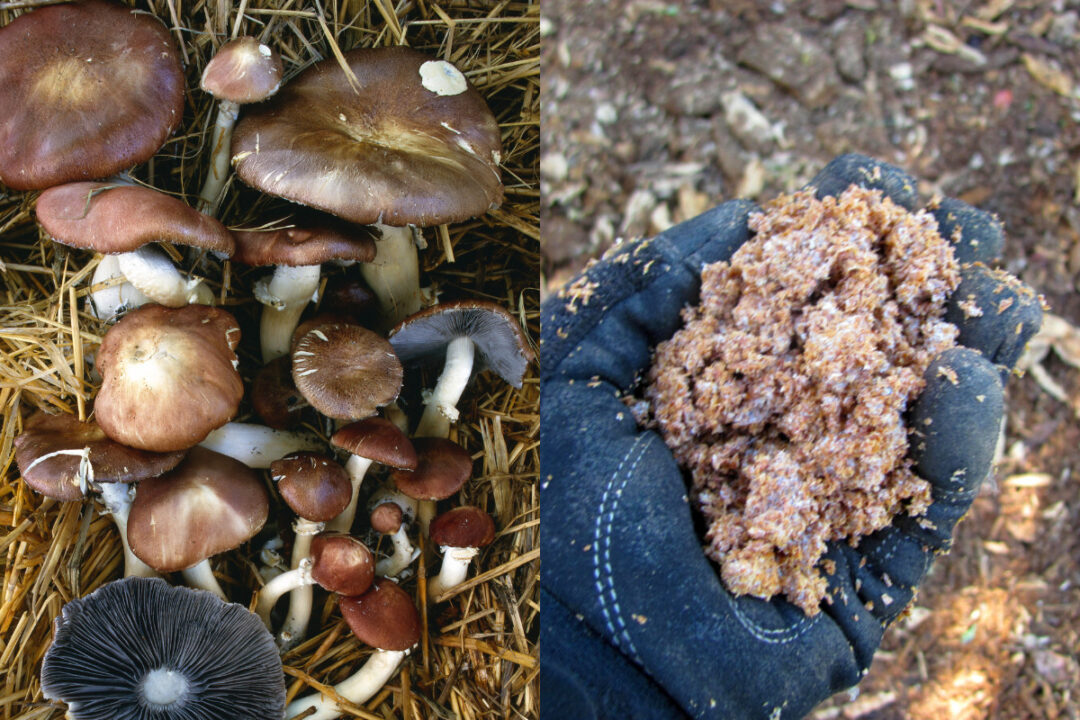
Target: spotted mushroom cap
{"x":411,"y":142}
{"x":384,"y":617}
{"x":377,"y":439}
{"x":443,"y":468}
{"x":87,"y":89}
{"x":140,"y":648}
{"x":341,"y":563}
{"x":168,"y":376}
{"x":308,"y":244}
{"x":111,"y":218}
{"x":462,"y":527}
{"x":208,"y":504}
{"x":313,"y":486}
{"x":242,"y":71}
{"x":58,"y":475}
{"x":345,"y":371}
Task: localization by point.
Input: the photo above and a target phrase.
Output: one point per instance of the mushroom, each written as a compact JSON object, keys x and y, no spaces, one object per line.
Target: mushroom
{"x":443,"y":468}
{"x":168,"y":376}
{"x":460,"y":330}
{"x":460,"y":533}
{"x":317,"y":489}
{"x":63,"y":458}
{"x":140,"y":648}
{"x":274,"y":396}
{"x":257,"y":446}
{"x":298,"y":254}
{"x":390,"y":518}
{"x":86,"y":90}
{"x":207,"y":505}
{"x":389,"y":143}
{"x":385,"y":618}
{"x":242,"y":71}
{"x":369,"y":440}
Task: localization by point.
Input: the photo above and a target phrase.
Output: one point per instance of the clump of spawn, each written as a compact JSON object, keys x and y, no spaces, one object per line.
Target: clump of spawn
{"x":784,"y":392}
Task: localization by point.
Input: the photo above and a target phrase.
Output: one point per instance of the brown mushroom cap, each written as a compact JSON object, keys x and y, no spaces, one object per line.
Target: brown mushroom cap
{"x":86,"y":90}
{"x":386,"y":518}
{"x":345,"y":371}
{"x":274,"y":396}
{"x":168,"y":376}
{"x":389,"y":150}
{"x":341,"y":563}
{"x":114,"y":218}
{"x":443,"y":468}
{"x":242,"y":71}
{"x":304,"y":245}
{"x":315,"y":487}
{"x":463,"y":527}
{"x":384,"y":617}
{"x":500,"y":344}
{"x":377,"y":439}
{"x":58,"y":476}
{"x":208,"y":504}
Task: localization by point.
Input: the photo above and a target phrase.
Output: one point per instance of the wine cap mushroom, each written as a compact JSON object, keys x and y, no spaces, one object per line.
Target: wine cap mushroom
{"x":463,"y":527}
{"x":345,"y":371}
{"x":140,"y":647}
{"x":208,"y":504}
{"x":243,"y":71}
{"x":315,"y":487}
{"x":443,"y":468}
{"x":274,"y":396}
{"x":377,"y":439}
{"x":86,"y":90}
{"x":394,"y":147}
{"x":386,"y":518}
{"x":57,"y":455}
{"x":384,"y":617}
{"x":308,"y":244}
{"x":341,"y":563}
{"x":168,"y":376}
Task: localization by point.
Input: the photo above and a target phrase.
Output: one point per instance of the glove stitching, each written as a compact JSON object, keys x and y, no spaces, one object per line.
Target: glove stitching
{"x":772,"y":636}
{"x":603,"y":536}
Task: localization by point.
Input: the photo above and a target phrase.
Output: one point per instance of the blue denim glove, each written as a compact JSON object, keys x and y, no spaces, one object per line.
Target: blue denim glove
{"x":635,"y":622}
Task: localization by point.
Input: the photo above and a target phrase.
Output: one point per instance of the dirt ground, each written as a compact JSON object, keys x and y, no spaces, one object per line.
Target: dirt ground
{"x":654,"y":111}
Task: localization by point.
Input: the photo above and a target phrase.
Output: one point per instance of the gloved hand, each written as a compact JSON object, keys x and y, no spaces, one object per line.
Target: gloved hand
{"x":634,"y":620}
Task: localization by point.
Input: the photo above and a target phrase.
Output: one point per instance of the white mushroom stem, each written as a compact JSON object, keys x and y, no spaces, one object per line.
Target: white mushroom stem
{"x":394,"y":274}
{"x":441,"y":403}
{"x":285,"y":582}
{"x":357,"y":467}
{"x":201,"y":575}
{"x":284,"y":295}
{"x":404,"y":554}
{"x":152,"y":272}
{"x":358,"y":688}
{"x":300,"y":599}
{"x":117,"y":498}
{"x":257,"y":445}
{"x":220,"y":141}
{"x":455,"y":566}
{"x":106,"y":303}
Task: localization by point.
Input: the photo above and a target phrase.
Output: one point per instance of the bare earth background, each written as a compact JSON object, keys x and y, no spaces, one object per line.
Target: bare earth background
{"x":654,"y":111}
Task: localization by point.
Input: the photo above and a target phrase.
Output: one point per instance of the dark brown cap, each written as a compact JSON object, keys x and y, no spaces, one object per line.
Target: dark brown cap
{"x":384,"y":617}
{"x":443,"y":468}
{"x":274,"y":396}
{"x":341,"y":563}
{"x":242,"y":71}
{"x":386,"y":518}
{"x":113,"y":218}
{"x":208,"y":504}
{"x":86,"y":90}
{"x":304,"y":245}
{"x":463,"y":527}
{"x":500,"y":344}
{"x":315,"y":487}
{"x":58,"y":476}
{"x":392,"y":149}
{"x":345,"y":371}
{"x":168,"y":376}
{"x":377,"y":439}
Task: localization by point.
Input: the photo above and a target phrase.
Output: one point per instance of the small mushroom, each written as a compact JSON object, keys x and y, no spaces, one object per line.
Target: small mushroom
{"x":369,"y":440}
{"x":460,"y":533}
{"x":139,"y":648}
{"x":390,"y":518}
{"x":443,"y":467}
{"x":274,"y":396}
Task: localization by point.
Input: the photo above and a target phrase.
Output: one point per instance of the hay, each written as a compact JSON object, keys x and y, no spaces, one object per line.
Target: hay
{"x":479,"y":657}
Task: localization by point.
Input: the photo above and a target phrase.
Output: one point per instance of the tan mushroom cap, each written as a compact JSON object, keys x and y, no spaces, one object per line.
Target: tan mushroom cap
{"x":443,"y":468}
{"x":86,"y":90}
{"x":384,"y":617}
{"x":58,"y":476}
{"x":304,"y":245}
{"x":391,"y":150}
{"x":341,"y":563}
{"x":386,"y":518}
{"x":242,"y":71}
{"x":313,"y":486}
{"x":463,"y":527}
{"x":168,"y":376}
{"x":208,"y":504}
{"x":377,"y":439}
{"x":345,"y":371}
{"x":114,"y":218}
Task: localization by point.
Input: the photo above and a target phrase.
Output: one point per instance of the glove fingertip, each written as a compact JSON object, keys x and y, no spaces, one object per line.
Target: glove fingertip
{"x":854,"y":169}
{"x":975,"y":234}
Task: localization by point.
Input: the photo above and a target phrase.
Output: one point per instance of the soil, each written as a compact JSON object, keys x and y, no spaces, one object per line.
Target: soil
{"x":655,"y":111}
